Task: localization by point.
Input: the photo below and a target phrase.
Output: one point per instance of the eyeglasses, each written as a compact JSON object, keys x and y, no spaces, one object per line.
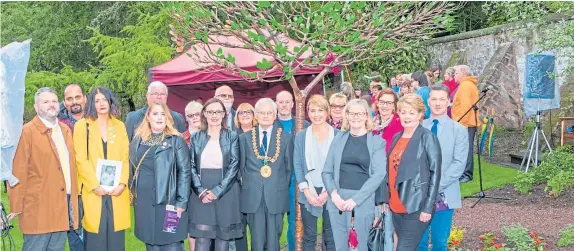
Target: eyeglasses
{"x":193,"y":115}
{"x":337,"y":106}
{"x":225,"y":96}
{"x":244,"y":113}
{"x":356,"y":114}
{"x":218,"y":113}
{"x":158,"y":94}
{"x":385,"y":103}
{"x":265,"y":113}
{"x":285,"y":102}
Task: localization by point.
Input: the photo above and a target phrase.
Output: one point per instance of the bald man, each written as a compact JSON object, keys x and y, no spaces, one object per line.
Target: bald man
{"x":284,"y":101}
{"x":72,"y":108}
{"x":225,"y":94}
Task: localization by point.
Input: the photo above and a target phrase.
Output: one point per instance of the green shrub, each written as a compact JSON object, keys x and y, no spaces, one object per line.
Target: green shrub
{"x":566,"y":237}
{"x":556,"y":171}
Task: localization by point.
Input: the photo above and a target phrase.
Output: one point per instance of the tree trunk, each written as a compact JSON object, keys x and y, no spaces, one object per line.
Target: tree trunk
{"x":299,"y":124}
{"x":300,"y":97}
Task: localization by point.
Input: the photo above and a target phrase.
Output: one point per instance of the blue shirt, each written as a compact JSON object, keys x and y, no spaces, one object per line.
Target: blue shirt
{"x":424,"y":92}
{"x":287,"y":125}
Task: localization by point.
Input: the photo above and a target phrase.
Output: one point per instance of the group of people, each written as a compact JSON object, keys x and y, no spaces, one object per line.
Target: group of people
{"x":232,"y":169}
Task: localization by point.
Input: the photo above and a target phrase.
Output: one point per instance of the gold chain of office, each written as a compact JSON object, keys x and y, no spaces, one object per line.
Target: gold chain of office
{"x":277,"y":148}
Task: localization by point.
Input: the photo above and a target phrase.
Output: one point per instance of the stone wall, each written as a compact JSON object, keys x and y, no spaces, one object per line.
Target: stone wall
{"x":497,"y":56}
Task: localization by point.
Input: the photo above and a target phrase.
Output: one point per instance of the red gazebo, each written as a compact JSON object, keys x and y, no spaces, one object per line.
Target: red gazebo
{"x":187,"y":79}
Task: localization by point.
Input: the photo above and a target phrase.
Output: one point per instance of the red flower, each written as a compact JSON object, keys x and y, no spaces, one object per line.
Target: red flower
{"x":499,"y":246}
{"x":547,"y":245}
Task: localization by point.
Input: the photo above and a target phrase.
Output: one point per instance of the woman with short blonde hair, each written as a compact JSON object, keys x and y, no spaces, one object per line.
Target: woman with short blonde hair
{"x":415,"y":153}
{"x":362,"y":103}
{"x":245,"y":118}
{"x":337,"y":104}
{"x":413,"y":101}
{"x":354,"y":169}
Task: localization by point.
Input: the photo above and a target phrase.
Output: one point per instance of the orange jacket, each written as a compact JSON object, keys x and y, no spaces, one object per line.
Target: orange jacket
{"x":40,"y":196}
{"x":465,"y":97}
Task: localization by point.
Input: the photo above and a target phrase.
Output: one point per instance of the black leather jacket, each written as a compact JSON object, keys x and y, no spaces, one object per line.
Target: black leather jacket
{"x":228,"y":141}
{"x":419,"y":173}
{"x":171,"y":169}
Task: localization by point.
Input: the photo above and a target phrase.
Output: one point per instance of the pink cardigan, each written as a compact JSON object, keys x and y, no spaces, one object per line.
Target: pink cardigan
{"x":391,"y":130}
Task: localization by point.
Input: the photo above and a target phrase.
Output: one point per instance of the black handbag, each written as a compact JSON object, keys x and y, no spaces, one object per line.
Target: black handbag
{"x":376,"y":241}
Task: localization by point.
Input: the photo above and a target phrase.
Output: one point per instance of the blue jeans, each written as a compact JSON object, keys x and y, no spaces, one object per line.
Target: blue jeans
{"x":291,"y":215}
{"x":440,"y":231}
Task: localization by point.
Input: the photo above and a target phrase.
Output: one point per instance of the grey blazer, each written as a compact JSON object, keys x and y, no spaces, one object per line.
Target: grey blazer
{"x":300,"y":169}
{"x":453,"y":139}
{"x":254,"y":188}
{"x":377,"y":168}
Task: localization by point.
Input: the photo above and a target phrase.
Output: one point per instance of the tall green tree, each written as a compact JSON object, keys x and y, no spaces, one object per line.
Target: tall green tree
{"x":333,"y":34}
{"x":125,"y":59}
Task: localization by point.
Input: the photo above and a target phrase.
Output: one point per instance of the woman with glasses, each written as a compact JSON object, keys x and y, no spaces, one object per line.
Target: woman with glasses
{"x":160,"y":180}
{"x":214,"y":212}
{"x":193,"y":117}
{"x":101,"y":136}
{"x":353,"y":171}
{"x":337,"y":102}
{"x":245,"y":118}
{"x":386,"y":122}
{"x":413,"y":174}
{"x":311,"y":147}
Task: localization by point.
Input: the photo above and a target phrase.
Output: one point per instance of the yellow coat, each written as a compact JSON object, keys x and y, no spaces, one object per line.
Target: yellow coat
{"x":118,"y":149}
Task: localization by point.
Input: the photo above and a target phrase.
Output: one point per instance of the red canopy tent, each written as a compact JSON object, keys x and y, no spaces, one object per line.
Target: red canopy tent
{"x":187,"y":79}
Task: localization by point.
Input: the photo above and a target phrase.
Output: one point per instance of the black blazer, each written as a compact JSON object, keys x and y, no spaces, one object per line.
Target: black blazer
{"x":229,"y":144}
{"x":171,"y":169}
{"x":419,"y":173}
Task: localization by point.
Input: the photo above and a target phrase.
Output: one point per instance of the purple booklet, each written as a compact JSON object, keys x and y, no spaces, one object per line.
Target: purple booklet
{"x":441,"y":204}
{"x":170,"y":220}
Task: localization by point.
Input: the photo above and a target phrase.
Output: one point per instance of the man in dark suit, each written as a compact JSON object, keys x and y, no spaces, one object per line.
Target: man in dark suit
{"x":156,"y":91}
{"x":225,"y":94}
{"x":266,"y":167}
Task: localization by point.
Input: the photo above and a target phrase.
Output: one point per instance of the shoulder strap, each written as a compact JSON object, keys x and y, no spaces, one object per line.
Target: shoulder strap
{"x":87,"y":140}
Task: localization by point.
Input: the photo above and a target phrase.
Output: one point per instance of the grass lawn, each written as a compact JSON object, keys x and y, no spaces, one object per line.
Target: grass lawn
{"x":493,"y":176}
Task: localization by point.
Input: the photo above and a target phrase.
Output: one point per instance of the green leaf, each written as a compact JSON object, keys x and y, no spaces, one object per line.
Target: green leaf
{"x":262,"y":21}
{"x":220,"y":51}
{"x":253,"y":75}
{"x":264,"y":4}
{"x":230,"y":58}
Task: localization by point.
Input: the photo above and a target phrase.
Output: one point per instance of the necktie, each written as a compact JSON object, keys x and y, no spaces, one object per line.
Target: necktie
{"x":63,"y":155}
{"x":434,"y":128}
{"x":264,"y":145}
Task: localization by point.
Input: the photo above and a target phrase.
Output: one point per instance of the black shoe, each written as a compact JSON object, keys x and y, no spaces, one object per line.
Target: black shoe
{"x":464,"y":179}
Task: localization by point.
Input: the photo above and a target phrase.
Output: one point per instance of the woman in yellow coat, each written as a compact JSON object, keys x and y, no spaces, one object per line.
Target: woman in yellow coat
{"x":100,"y":136}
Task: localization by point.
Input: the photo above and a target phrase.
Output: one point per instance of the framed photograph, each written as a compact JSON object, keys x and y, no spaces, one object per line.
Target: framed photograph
{"x":108,"y":173}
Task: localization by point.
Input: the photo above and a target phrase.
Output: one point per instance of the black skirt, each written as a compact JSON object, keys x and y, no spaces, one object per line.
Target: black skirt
{"x":220,"y":219}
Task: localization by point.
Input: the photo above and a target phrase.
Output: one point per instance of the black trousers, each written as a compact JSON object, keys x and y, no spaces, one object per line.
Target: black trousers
{"x":409,"y":230}
{"x":265,"y":229}
{"x":469,"y":168}
{"x":106,"y":239}
{"x":310,"y":228}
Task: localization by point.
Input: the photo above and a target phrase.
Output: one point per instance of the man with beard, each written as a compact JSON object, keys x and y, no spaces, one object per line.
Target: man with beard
{"x":156,"y":92}
{"x":265,"y":165}
{"x":284,"y":102}
{"x":225,"y":94}
{"x":72,"y":108}
{"x":46,"y":198}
